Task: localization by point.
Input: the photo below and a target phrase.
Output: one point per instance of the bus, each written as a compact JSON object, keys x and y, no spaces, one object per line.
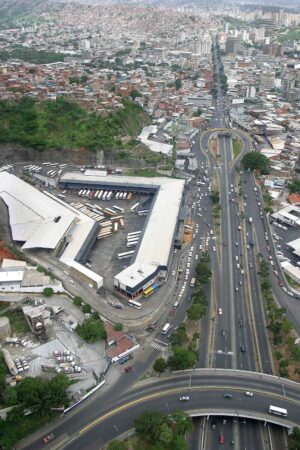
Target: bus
{"x":166,"y":329}
{"x":134,"y":304}
{"x":131,"y":244}
{"x":100,"y":195}
{"x":133,"y":239}
{"x":129,"y":196}
{"x":118,"y":209}
{"x":192,"y":282}
{"x":143,"y":212}
{"x":61,"y":196}
{"x":150,"y":290}
{"x":63,"y":165}
{"x":134,"y":207}
{"x":125,"y":255}
{"x":104,"y":195}
{"x":122,"y":223}
{"x":45,"y":164}
{"x":116,"y":226}
{"x":117,"y":196}
{"x":278,"y":411}
{"x":133,"y":233}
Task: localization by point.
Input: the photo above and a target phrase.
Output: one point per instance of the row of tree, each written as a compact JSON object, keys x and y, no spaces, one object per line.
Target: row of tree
{"x":34,"y":401}
{"x":279,"y":326}
{"x":159,"y":431}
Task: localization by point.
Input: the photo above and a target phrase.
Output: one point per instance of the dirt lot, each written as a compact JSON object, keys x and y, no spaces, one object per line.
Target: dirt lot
{"x":5,"y":252}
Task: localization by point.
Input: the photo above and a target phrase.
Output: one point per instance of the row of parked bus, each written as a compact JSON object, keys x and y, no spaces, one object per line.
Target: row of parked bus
{"x":104,"y":195}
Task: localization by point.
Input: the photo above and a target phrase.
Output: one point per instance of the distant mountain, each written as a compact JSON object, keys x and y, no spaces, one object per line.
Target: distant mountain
{"x":12,"y":10}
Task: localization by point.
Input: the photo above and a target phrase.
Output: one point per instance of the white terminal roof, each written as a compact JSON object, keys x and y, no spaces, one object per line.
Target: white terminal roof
{"x":295,"y":244}
{"x":33,"y":216}
{"x":157,"y":239}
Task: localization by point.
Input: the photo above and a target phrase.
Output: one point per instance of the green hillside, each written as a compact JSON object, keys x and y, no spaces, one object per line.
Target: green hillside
{"x":65,"y":125}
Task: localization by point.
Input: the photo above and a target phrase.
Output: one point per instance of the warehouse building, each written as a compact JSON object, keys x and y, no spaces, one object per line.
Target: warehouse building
{"x":41,"y":221}
{"x":154,"y":253}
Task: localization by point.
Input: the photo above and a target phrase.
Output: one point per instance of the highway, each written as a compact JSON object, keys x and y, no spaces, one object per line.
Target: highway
{"x":205,"y":389}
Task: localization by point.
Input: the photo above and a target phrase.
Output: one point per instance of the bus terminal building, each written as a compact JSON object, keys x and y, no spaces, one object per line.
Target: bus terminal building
{"x":152,"y":258}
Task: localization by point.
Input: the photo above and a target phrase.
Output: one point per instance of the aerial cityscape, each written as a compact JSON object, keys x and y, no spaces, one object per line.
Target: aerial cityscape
{"x":149,"y":225}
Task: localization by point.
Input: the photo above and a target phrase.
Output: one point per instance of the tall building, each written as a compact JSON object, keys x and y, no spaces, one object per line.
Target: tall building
{"x":267,"y":80}
{"x":233,"y":44}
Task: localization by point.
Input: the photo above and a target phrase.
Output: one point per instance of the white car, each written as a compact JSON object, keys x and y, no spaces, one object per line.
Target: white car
{"x":220,"y":311}
{"x":173,"y":273}
{"x":184,"y":399}
{"x":249,"y":393}
{"x":214,"y":249}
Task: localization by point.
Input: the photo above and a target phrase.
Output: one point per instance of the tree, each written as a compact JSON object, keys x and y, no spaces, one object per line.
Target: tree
{"x":179,"y":337}
{"x":118,"y":326}
{"x":91,"y":330}
{"x":40,"y":395}
{"x":182,"y":359}
{"x":165,"y":435}
{"x":294,"y":186}
{"x":48,"y":292}
{"x":215,"y":197}
{"x":197,"y":113}
{"x":184,"y":423}
{"x":196,"y":311}
{"x":86,"y":309}
{"x":256,"y":161}
{"x":178,"y":84}
{"x":117,"y":445}
{"x":2,"y":372}
{"x":77,"y":301}
{"x":179,"y":443}
{"x":134,"y":94}
{"x":203,"y":273}
{"x":148,"y":424}
{"x":160,"y":365}
{"x":294,"y":439}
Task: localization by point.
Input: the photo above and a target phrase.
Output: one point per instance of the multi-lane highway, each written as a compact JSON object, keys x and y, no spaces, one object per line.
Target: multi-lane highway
{"x":205,"y":389}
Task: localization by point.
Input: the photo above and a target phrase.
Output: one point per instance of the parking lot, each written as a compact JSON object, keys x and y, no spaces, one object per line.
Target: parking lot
{"x":103,"y":257}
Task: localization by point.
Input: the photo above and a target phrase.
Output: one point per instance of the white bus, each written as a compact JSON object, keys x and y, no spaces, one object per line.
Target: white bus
{"x":131,"y":244}
{"x":125,"y":255}
{"x":104,"y":195}
{"x":100,"y":195}
{"x":63,"y":165}
{"x":118,"y":209}
{"x":278,"y":411}
{"x":117,"y":195}
{"x":45,"y":164}
{"x":143,"y":212}
{"x":192,"y":282}
{"x":134,"y":207}
{"x":134,"y":304}
{"x":166,"y":328}
{"x":133,"y":233}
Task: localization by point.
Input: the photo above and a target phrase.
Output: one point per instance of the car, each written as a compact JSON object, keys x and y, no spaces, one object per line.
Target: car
{"x":242,"y":348}
{"x":236,"y":289}
{"x":224,"y":244}
{"x":221,"y":439}
{"x":223,"y":332}
{"x":249,"y":394}
{"x":236,"y":244}
{"x":173,"y":273}
{"x":184,"y":398}
{"x":214,"y":249}
{"x":213,"y":426}
{"x":227,"y":395}
{"x":48,"y":438}
{"x":220,"y":311}
{"x":240,"y":323}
